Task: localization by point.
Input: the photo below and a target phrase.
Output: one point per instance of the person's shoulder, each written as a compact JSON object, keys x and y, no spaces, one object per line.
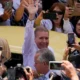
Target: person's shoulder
{"x":50,"y":48}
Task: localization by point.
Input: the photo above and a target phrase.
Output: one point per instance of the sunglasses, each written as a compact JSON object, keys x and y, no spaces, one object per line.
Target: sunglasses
{"x":58,"y":12}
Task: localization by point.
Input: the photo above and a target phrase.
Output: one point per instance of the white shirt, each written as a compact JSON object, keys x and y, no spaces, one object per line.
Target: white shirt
{"x":47,"y":75}
{"x":29,"y":47}
{"x":58,"y":72}
{"x":16,"y":3}
{"x":67,"y":27}
{"x":58,"y":29}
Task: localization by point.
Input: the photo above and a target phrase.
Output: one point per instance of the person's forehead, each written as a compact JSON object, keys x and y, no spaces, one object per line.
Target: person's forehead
{"x":41,"y":32}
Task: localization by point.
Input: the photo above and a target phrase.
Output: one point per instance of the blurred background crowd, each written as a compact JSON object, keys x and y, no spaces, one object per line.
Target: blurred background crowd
{"x":62,"y":16}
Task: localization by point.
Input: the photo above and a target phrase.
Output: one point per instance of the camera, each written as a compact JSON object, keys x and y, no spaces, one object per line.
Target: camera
{"x":14,"y":73}
{"x":55,"y":65}
{"x":74,"y":58}
{"x":19,"y":72}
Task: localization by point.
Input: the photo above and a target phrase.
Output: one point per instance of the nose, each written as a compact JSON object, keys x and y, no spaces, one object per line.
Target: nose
{"x":57,"y":14}
{"x":44,"y":40}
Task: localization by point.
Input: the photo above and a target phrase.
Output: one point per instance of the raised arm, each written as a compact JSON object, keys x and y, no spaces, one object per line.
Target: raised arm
{"x":29,"y":43}
{"x":19,"y":12}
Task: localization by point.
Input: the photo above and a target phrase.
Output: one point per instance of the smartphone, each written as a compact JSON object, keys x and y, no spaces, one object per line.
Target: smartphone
{"x":50,"y":15}
{"x":55,"y":65}
{"x":8,"y":4}
{"x":71,"y":39}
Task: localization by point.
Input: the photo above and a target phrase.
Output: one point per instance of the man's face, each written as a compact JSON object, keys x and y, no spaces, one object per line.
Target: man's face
{"x":42,"y":39}
{"x":40,"y":67}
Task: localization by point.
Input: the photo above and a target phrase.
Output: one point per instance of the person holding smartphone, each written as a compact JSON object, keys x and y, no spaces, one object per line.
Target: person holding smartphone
{"x":69,"y":70}
{"x":7,"y":6}
{"x":72,"y":52}
{"x":60,"y":24}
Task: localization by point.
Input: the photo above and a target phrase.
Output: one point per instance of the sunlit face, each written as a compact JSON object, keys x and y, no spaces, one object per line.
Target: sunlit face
{"x":42,"y":39}
{"x":58,"y":15}
{"x":78,"y":27}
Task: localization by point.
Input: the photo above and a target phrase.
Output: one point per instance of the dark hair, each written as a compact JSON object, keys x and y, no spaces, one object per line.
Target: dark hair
{"x":46,"y":55}
{"x":40,"y":29}
{"x":62,"y":8}
{"x":75,"y":23}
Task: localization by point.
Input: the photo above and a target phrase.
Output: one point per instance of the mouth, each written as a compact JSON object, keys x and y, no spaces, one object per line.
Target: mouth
{"x":44,"y":45}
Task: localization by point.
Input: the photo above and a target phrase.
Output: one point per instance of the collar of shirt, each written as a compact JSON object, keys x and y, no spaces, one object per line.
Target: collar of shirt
{"x":47,"y":75}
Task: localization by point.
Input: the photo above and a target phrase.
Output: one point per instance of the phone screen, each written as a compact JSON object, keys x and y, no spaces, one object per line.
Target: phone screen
{"x":53,"y":65}
{"x":71,"y":39}
{"x":8,"y":4}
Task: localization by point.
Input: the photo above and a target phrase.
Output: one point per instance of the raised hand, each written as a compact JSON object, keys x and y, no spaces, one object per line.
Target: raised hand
{"x":29,"y":72}
{"x":31,"y":6}
{"x":7,"y":14}
{"x":69,"y":70}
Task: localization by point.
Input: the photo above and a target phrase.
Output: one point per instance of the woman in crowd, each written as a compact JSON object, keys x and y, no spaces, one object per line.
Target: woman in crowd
{"x":77,"y":27}
{"x":7,"y":7}
{"x":61,"y":24}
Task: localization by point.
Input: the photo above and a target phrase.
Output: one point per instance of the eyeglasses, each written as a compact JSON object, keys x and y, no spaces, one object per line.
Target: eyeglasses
{"x":58,"y":12}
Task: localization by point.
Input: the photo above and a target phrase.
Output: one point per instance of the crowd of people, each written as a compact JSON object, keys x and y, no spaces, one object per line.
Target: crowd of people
{"x":36,"y":50}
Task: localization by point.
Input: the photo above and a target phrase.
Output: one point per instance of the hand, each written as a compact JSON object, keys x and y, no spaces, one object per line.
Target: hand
{"x":7,"y":14}
{"x":29,"y":74}
{"x":68,"y":12}
{"x":77,"y":46}
{"x":66,"y":53}
{"x":31,"y":6}
{"x":2,"y":69}
{"x":69,"y":70}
